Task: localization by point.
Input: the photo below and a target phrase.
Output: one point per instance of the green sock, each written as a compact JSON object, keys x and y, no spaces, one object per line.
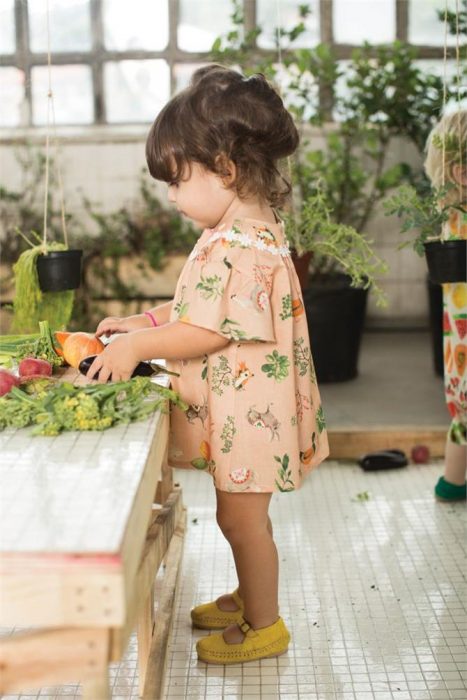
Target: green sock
{"x":450,"y":492}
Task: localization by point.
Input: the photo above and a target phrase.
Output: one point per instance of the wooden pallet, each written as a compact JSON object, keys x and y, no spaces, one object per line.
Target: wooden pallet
{"x":352,"y":443}
{"x":85,"y":604}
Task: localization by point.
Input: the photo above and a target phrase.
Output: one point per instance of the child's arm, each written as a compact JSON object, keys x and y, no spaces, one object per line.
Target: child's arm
{"x":175,"y":340}
{"x":115,"y":324}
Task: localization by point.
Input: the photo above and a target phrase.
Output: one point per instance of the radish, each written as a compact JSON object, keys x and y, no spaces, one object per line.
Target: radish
{"x":7,"y":382}
{"x":32,"y":366}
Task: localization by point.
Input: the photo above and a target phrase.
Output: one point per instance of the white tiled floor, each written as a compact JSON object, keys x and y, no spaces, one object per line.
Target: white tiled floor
{"x":372,"y":590}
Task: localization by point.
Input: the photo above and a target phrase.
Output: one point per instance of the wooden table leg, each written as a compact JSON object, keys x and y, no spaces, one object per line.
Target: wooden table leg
{"x":145,"y":629}
{"x":97,"y":687}
{"x":165,"y":485}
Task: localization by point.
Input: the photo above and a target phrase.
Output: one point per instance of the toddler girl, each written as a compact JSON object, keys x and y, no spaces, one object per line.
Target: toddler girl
{"x":236,"y":333}
{"x":452,"y":131}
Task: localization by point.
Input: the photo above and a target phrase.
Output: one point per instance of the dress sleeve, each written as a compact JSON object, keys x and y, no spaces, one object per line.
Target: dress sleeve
{"x":229,"y":296}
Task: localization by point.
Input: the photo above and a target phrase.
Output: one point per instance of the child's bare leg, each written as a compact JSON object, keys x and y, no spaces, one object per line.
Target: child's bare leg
{"x":244,"y":521}
{"x":455,"y":463}
{"x":226,"y":602}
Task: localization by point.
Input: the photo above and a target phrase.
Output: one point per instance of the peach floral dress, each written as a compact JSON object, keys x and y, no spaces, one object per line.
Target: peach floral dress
{"x":255,"y":421}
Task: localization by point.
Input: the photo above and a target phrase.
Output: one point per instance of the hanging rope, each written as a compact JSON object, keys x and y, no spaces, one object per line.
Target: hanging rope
{"x":281,"y":67}
{"x":443,"y":146}
{"x":51,"y":112}
{"x":458,"y":75}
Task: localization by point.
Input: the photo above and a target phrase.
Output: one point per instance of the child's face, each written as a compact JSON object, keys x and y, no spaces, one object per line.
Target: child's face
{"x":201,"y":196}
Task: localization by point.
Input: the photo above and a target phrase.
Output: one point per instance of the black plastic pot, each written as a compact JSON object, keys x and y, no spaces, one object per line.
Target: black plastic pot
{"x":435,"y":300}
{"x":336,"y":314}
{"x":59,"y":270}
{"x":447,"y":261}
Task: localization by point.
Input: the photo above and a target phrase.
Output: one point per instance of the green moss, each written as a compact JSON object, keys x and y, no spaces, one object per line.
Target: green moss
{"x":30,"y":304}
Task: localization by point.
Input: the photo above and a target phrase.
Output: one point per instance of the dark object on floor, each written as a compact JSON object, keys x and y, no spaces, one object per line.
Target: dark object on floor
{"x":142,"y":369}
{"x":384,"y":459}
{"x":445,"y":491}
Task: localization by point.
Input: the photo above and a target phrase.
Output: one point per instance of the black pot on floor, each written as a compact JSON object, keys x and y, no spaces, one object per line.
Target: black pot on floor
{"x":59,"y":270}
{"x":336,"y":314}
{"x":447,"y":260}
{"x":435,"y":300}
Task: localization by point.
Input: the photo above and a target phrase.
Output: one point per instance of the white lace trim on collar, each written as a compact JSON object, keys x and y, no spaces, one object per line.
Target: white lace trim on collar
{"x":245,"y":241}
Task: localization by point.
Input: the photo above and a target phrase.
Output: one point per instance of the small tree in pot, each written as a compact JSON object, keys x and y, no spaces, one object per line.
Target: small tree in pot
{"x":384,"y":95}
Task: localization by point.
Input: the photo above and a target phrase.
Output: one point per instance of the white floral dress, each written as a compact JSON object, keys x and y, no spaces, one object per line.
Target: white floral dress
{"x":255,"y":421}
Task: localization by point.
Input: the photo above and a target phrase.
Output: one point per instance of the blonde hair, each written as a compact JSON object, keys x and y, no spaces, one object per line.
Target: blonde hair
{"x":450,"y":131}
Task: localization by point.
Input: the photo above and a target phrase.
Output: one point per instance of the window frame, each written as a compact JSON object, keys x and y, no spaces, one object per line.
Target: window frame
{"x":24,"y":59}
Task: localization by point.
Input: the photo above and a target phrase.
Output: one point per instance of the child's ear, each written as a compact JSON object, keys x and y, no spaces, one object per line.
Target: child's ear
{"x":459,"y":173}
{"x":227,"y":170}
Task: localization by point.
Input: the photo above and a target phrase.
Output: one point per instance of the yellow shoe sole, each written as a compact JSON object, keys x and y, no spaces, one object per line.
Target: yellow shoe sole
{"x":210,"y":617}
{"x":264,"y":643}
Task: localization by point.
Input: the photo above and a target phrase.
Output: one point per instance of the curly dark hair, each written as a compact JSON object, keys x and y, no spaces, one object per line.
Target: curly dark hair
{"x":221,"y":116}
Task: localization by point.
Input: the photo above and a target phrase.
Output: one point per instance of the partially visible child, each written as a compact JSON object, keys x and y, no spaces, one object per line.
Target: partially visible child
{"x":452,"y":131}
{"x":237,"y":335}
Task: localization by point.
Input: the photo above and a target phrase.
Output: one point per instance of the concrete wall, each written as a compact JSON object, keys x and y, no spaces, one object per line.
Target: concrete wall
{"x":104,"y":164}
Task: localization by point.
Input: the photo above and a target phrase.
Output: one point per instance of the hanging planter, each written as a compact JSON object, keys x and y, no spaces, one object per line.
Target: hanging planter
{"x":446,"y":260}
{"x":59,"y":270}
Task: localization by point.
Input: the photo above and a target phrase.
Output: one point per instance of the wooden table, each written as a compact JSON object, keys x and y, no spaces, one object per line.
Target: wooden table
{"x":86,"y":520}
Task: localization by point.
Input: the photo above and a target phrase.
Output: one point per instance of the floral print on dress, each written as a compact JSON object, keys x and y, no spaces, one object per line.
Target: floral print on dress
{"x":259,"y":392}
{"x":455,"y":339}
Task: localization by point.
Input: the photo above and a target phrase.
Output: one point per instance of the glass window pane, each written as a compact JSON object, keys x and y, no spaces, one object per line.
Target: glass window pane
{"x":72,"y":94}
{"x":201,"y":22}
{"x":70,"y":25}
{"x":139,"y":24}
{"x":12,"y":96}
{"x":424,"y":25}
{"x":183,"y":73}
{"x":7,"y":26}
{"x":135,"y":90}
{"x":284,"y":14}
{"x":356,"y":21}
{"x":436,"y":67}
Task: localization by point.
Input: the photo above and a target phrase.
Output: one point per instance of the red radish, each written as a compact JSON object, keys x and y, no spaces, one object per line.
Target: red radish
{"x":420,"y":454}
{"x":33,"y":366}
{"x":7,"y":382}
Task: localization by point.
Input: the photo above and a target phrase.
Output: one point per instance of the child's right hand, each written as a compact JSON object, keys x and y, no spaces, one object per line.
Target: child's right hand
{"x":114,"y":324}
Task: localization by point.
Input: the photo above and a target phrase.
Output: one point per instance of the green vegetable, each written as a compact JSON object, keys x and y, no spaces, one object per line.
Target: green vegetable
{"x":40,"y":345}
{"x":92,"y":407}
{"x":30,"y":304}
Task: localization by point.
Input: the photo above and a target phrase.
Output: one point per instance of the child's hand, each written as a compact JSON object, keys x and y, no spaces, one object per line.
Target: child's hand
{"x":116,"y":362}
{"x":114,"y":324}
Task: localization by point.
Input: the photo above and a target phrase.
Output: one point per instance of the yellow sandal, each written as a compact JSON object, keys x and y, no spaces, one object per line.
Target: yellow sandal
{"x":257,"y":644}
{"x":210,"y":617}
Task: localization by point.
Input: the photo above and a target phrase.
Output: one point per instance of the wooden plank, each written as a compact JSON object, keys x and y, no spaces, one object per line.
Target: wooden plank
{"x":153,"y":686}
{"x":56,"y":599}
{"x":145,"y":630}
{"x":35,"y":659}
{"x":165,"y":483}
{"x":137,"y":525}
{"x":352,"y":443}
{"x":155,"y":549}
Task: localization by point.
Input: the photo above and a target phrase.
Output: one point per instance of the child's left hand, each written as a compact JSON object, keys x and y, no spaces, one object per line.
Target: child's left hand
{"x":116,"y":362}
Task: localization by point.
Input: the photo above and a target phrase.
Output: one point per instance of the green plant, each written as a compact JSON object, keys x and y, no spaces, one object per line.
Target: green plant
{"x":333,"y":242}
{"x":421,"y":212}
{"x":143,"y":228}
{"x":382,"y":94}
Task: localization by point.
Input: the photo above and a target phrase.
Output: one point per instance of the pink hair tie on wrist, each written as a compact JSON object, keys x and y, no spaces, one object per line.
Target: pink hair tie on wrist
{"x":151,"y":318}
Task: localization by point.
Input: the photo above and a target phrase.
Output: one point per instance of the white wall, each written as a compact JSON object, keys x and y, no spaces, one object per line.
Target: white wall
{"x":104,"y":163}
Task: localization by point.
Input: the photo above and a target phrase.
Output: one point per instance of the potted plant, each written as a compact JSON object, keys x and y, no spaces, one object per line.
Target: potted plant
{"x":335,"y":305}
{"x":352,"y":164}
{"x":424,"y":211}
{"x":49,"y":299}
